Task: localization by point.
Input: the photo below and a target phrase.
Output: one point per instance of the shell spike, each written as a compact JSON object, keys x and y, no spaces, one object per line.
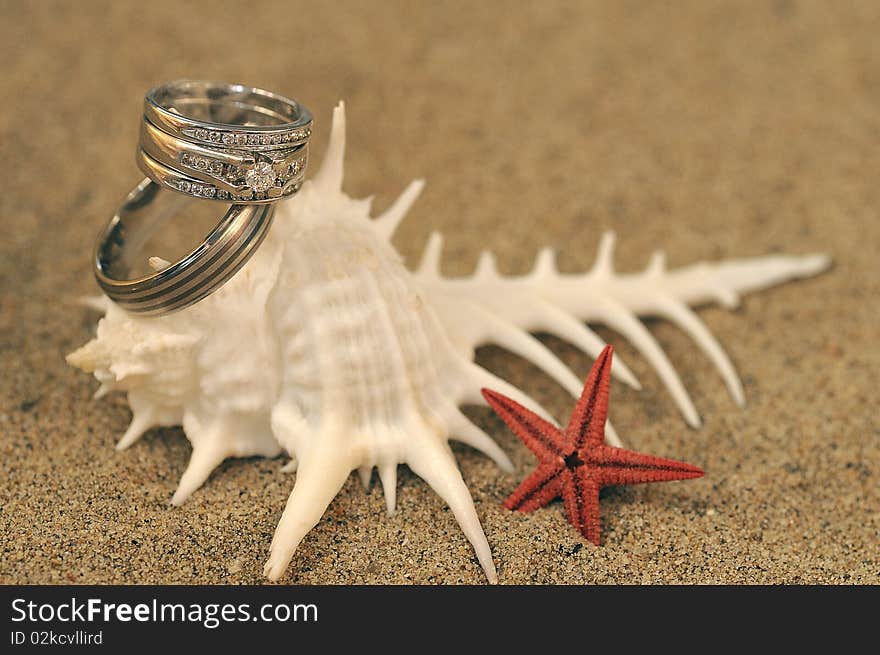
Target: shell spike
{"x":656,"y":265}
{"x":202,"y":462}
{"x":319,"y":479}
{"x":365,"y":473}
{"x":563,"y":325}
{"x":487,"y":267}
{"x":387,"y":223}
{"x":690,"y":323}
{"x":430,"y":264}
{"x":102,"y":391}
{"x":388,"y":476}
{"x":461,"y":429}
{"x":622,"y":320}
{"x":158,"y":264}
{"x":328,"y":179}
{"x":140,"y":423}
{"x":481,"y":378}
{"x":545,"y":264}
{"x":604,"y":265}
{"x":742,"y":276}
{"x":518,"y":341}
{"x":435,"y":464}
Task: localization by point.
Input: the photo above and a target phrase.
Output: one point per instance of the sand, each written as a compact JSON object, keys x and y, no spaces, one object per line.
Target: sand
{"x":710,"y":129}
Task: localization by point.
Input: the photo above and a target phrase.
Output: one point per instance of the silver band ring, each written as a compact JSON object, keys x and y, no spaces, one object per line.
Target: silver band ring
{"x":219,"y":114}
{"x":227,"y":142}
{"x":223,"y":252}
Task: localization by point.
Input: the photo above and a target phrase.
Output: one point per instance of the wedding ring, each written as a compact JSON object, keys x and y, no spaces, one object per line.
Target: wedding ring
{"x":209,"y":140}
{"x":181,"y":284}
{"x":219,"y":114}
{"x":223,"y":175}
{"x":224,"y":142}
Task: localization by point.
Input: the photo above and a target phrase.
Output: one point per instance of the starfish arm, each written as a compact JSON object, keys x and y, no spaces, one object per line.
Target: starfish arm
{"x":542,"y":486}
{"x":542,"y":437}
{"x":580,"y":493}
{"x":616,"y":466}
{"x":587,"y":423}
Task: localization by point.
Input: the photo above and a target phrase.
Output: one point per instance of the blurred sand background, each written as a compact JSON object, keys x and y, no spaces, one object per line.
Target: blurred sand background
{"x":712,"y":129}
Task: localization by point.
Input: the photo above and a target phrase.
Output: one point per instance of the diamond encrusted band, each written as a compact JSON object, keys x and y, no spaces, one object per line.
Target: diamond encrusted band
{"x":223,"y":252}
{"x":220,"y":174}
{"x":229,"y":142}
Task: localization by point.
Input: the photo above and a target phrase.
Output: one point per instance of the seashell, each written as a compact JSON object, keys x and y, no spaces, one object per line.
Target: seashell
{"x":327,"y":348}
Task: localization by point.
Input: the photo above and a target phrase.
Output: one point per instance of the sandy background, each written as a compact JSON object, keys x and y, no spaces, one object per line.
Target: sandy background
{"x":712,"y":129}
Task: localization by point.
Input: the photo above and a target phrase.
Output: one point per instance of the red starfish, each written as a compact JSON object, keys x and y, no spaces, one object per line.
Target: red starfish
{"x":576,"y":463}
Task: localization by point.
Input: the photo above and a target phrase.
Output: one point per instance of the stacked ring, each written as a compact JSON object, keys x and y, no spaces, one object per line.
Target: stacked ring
{"x":208,"y":140}
{"x":258,"y":153}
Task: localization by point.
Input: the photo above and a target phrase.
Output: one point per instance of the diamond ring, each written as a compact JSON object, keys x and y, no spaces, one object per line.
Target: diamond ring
{"x":225,"y":142}
{"x":225,"y":175}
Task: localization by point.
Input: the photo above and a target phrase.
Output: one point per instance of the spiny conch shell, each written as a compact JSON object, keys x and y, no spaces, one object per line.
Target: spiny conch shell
{"x":324,"y":346}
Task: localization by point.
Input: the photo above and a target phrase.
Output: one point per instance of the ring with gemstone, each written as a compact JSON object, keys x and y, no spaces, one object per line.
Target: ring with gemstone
{"x":225,"y":175}
{"x":225,"y":142}
{"x":172,"y":286}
